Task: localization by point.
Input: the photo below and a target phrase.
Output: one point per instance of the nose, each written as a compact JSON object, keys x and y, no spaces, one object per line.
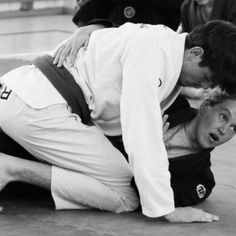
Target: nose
{"x":223,"y":129}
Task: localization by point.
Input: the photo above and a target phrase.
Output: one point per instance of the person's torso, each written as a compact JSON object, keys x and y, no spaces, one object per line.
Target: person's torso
{"x":100,"y":66}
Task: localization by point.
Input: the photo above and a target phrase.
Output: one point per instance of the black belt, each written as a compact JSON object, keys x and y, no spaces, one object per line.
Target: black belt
{"x":65,"y":84}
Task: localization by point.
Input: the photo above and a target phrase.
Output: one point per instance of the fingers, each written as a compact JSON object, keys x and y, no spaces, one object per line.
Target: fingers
{"x":165,"y":123}
{"x":72,"y":56}
{"x":76,"y":45}
{"x":189,"y":215}
{"x":1,"y":208}
{"x":205,"y":217}
{"x":69,"y":48}
{"x":64,"y":53}
{"x":57,"y":54}
{"x":166,"y":127}
{"x":164,"y":118}
{"x":210,"y":218}
{"x":215,"y":218}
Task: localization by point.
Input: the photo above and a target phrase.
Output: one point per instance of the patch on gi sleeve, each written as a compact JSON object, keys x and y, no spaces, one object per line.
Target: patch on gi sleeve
{"x":201,"y":190}
{"x":159,"y":82}
{"x":129,"y":12}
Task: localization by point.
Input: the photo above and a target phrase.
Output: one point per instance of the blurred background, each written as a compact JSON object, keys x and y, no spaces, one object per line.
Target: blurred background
{"x":31,"y":26}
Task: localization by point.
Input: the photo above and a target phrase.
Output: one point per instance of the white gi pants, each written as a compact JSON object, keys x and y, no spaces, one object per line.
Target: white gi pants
{"x":87,"y":172}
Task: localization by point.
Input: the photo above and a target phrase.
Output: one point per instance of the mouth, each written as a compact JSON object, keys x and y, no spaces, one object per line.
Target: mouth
{"x":214,"y":137}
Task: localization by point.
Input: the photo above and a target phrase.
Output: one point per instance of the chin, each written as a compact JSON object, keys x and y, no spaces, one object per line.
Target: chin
{"x":204,"y":144}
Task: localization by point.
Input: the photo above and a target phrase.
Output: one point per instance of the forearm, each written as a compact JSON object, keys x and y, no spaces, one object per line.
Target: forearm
{"x":142,"y":127}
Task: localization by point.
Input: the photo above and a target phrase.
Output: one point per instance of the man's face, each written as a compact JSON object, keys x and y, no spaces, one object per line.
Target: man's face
{"x":193,"y":75}
{"x":216,"y":124}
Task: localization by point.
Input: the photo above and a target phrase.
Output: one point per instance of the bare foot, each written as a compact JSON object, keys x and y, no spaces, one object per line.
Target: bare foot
{"x":6,"y":170}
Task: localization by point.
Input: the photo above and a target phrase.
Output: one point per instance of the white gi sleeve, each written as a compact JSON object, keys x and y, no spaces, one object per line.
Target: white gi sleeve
{"x":141,"y":119}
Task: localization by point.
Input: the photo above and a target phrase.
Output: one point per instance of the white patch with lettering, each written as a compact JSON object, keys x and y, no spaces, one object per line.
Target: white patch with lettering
{"x":201,"y":191}
{"x":129,"y":12}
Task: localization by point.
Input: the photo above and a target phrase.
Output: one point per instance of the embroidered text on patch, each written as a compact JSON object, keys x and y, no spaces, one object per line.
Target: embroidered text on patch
{"x":201,"y":190}
{"x":129,"y":12}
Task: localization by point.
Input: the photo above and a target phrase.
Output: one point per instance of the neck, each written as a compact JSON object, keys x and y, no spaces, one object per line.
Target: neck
{"x":190,"y":130}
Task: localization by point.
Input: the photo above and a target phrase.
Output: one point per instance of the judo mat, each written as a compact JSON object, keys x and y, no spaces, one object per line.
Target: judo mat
{"x":8,"y":64}
{"x":34,"y":215}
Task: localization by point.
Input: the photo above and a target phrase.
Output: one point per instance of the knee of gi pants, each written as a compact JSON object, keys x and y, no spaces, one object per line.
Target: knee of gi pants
{"x":75,"y":190}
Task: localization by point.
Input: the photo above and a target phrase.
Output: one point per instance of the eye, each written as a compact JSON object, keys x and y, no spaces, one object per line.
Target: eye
{"x":233,"y":128}
{"x":223,"y":117}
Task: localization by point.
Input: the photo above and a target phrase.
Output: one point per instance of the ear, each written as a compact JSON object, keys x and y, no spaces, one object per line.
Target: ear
{"x":196,"y":51}
{"x":205,"y":105}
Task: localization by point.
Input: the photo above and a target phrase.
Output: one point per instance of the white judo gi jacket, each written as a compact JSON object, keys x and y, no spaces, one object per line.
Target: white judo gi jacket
{"x":127,"y":75}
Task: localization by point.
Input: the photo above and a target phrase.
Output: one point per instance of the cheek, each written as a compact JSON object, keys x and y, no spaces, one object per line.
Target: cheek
{"x":210,"y":120}
{"x":202,"y":132}
{"x":202,"y":137}
{"x":227,"y":138}
{"x":206,"y":123}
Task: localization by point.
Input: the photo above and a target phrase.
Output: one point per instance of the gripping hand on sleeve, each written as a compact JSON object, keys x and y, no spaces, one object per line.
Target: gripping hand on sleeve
{"x":69,"y":48}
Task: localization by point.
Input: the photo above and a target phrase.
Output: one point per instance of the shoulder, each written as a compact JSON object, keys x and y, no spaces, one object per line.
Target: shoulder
{"x":149,"y":32}
{"x":180,"y":111}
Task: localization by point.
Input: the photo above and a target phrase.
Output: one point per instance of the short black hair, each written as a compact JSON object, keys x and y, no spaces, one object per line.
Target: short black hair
{"x":218,"y":40}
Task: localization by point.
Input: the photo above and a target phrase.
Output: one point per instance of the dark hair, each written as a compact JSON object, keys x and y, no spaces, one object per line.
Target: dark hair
{"x":218,"y":40}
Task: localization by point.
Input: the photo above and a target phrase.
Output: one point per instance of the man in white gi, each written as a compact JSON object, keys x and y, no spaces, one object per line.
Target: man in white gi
{"x":127,"y":74}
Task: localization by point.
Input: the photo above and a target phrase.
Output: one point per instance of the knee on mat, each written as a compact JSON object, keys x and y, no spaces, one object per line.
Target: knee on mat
{"x":129,"y":201}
